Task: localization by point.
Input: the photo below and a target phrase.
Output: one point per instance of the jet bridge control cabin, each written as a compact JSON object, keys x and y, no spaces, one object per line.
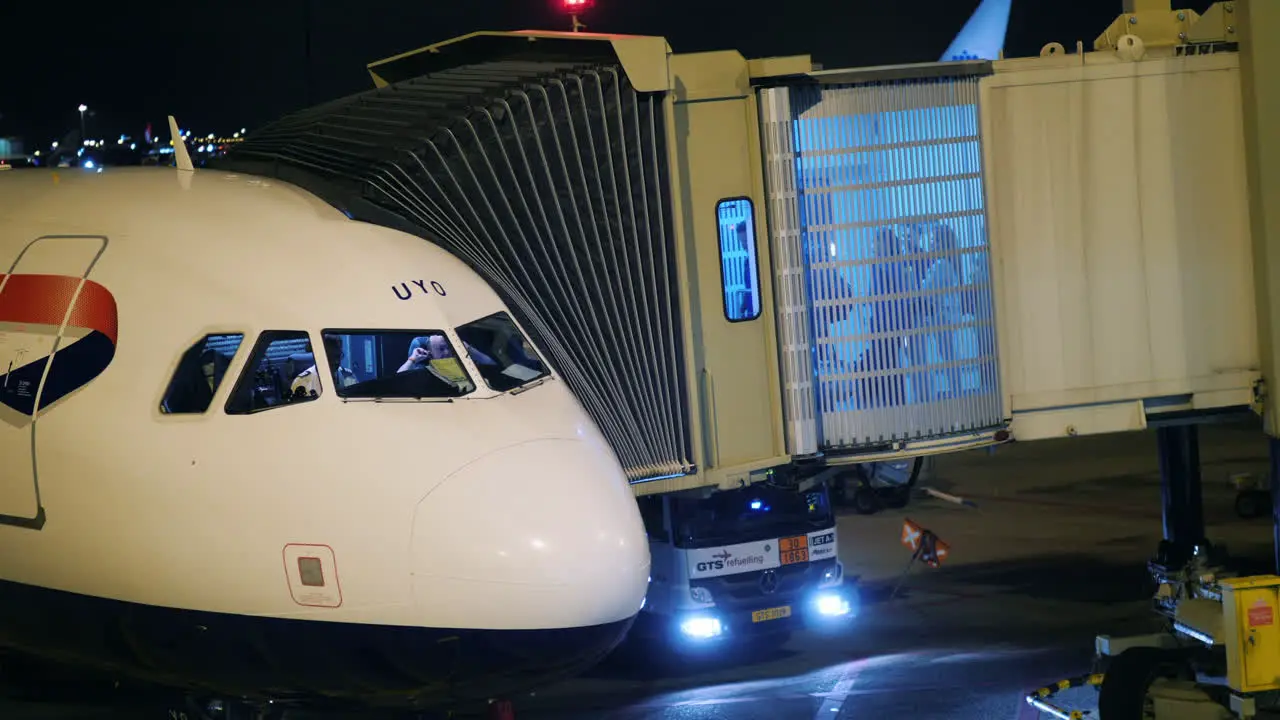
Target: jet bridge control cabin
{"x":740,"y":265}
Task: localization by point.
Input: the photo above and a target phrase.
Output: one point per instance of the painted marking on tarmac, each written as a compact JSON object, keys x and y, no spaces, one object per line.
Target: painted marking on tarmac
{"x":835,"y":699}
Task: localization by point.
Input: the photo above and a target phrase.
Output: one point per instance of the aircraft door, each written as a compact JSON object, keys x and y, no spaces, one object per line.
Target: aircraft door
{"x":57,"y":332}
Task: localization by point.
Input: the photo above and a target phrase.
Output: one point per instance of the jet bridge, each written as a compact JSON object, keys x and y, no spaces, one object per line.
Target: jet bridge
{"x":741,"y":265}
{"x":1066,"y":240}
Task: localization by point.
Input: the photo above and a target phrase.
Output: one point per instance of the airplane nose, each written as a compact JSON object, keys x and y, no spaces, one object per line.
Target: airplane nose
{"x":544,"y":534}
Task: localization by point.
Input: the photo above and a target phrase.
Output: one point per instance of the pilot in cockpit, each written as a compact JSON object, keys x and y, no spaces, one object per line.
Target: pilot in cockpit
{"x":432,"y":353}
{"x":307,"y":384}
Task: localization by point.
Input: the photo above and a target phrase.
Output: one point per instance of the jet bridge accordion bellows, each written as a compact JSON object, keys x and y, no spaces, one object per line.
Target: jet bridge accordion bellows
{"x":550,"y":180}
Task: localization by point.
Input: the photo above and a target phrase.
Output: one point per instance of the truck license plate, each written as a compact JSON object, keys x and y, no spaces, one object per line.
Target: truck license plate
{"x":771,"y":614}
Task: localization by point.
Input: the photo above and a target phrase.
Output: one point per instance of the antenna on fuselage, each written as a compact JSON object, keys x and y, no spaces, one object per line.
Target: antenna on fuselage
{"x":180,"y":153}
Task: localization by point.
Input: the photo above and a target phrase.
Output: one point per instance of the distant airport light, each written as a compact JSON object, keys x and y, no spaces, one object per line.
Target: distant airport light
{"x":574,"y":8}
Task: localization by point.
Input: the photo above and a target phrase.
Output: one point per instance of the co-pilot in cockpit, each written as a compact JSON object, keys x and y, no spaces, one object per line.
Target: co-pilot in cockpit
{"x":372,"y":364}
{"x":433,"y":354}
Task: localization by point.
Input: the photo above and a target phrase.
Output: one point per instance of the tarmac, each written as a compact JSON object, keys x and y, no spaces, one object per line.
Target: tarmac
{"x":1054,"y":554}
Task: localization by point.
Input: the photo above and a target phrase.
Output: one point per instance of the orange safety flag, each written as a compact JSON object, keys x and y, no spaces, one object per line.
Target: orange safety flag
{"x":911,"y":535}
{"x":940,"y":552}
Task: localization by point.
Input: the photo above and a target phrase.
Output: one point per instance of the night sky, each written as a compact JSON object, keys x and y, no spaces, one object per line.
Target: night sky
{"x":219,"y":65}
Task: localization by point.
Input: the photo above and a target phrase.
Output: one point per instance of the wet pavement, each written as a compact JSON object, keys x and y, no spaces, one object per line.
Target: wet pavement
{"x":1054,"y":554}
{"x":963,"y":654}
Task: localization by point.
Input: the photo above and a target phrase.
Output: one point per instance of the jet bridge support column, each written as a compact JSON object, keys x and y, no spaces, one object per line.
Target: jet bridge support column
{"x":1179,"y":449}
{"x":1258,"y":26}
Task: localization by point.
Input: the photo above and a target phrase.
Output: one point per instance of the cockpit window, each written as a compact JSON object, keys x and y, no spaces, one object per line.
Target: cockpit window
{"x":395,"y":364}
{"x":280,"y":371}
{"x":504,"y":357}
{"x":199,"y":374}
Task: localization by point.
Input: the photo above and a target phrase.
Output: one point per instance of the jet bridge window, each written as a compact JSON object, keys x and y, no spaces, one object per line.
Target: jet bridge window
{"x":504,"y":357}
{"x":739,"y":272}
{"x":281,"y":370}
{"x":395,"y":364}
{"x":199,"y":374}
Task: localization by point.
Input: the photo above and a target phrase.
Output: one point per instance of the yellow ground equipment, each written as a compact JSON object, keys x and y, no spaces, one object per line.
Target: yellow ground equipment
{"x":1218,"y":659}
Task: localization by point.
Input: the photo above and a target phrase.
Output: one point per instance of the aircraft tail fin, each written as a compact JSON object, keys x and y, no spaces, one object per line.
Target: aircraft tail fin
{"x":179,"y":147}
{"x":982,"y":38}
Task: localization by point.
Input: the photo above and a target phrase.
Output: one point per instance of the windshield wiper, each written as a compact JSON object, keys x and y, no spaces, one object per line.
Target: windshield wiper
{"x":529,"y":386}
{"x":398,"y":400}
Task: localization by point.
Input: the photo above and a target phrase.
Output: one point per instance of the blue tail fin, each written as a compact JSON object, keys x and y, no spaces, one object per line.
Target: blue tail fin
{"x":982,"y":38}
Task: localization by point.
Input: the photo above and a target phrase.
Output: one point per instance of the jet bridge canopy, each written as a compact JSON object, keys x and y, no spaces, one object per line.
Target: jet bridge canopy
{"x":547,"y":173}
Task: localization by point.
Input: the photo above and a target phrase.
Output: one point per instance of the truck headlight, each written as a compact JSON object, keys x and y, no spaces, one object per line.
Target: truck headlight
{"x":701,"y":595}
{"x":832,"y":605}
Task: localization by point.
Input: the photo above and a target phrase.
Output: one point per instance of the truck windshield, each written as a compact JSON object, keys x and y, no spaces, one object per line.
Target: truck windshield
{"x":759,"y":512}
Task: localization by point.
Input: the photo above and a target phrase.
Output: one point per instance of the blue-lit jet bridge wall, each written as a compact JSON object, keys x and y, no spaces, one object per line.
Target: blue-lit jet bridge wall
{"x":882,"y":269}
{"x":549,"y":178}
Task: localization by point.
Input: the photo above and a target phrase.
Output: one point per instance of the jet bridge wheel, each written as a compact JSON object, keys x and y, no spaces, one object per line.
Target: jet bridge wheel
{"x":1123,"y":695}
{"x":1253,"y":503}
{"x":868,"y":490}
{"x":866,"y":501}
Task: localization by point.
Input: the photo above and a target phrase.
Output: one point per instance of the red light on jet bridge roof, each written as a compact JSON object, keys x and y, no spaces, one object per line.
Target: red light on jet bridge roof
{"x":576,"y":6}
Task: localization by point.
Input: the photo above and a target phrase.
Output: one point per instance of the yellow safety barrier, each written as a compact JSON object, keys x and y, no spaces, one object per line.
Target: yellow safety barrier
{"x":1038,"y":698}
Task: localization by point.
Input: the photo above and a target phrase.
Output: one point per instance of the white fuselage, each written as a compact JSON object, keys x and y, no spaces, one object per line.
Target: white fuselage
{"x":490,"y":512}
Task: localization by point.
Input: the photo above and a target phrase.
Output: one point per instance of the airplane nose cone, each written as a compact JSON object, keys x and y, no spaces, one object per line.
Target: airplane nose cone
{"x":545,"y":534}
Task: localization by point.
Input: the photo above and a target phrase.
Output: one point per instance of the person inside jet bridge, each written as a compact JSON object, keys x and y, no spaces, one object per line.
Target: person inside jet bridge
{"x":890,"y":318}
